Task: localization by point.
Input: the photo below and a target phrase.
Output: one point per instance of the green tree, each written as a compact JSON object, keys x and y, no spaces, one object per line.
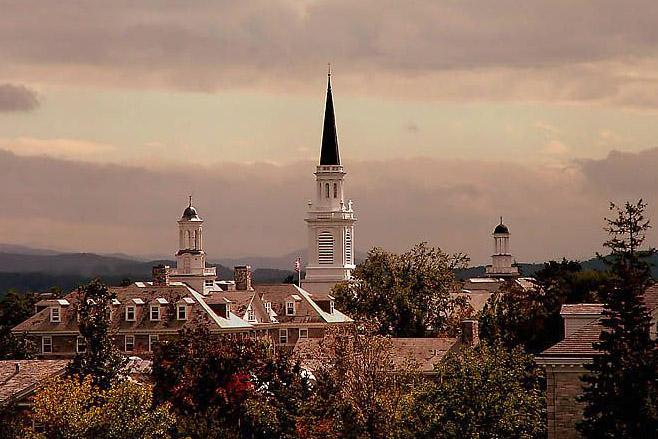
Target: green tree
{"x":406,"y":295}
{"x":531,"y":317}
{"x":487,"y":391}
{"x":70,"y":408}
{"x":621,"y":392}
{"x":102,"y":360}
{"x":226,"y":388}
{"x":15,"y":307}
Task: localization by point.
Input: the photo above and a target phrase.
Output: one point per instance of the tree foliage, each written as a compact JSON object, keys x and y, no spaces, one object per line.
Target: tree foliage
{"x":70,"y":408}
{"x":531,"y":317}
{"x":102,"y":360}
{"x":15,"y":307}
{"x":359,"y":388}
{"x":226,"y":388}
{"x":621,"y":392}
{"x":487,"y":391}
{"x":406,"y":295}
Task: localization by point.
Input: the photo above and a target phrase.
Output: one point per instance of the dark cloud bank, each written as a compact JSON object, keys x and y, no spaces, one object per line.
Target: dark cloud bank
{"x":259,"y":208}
{"x":16,"y":97}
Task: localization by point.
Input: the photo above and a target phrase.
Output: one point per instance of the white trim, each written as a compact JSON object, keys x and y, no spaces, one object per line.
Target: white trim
{"x":153,"y":339}
{"x":125,"y":342}
{"x":53,"y":318}
{"x":43,"y":344}
{"x":134,"y":311}
{"x":154,"y":307}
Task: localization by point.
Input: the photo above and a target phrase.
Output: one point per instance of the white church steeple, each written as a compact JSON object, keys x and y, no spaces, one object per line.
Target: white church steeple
{"x":190,"y":257}
{"x":501,"y":258}
{"x":330,"y":217}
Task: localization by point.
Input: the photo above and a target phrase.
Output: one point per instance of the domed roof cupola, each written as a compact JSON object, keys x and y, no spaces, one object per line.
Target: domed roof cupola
{"x":501,"y":228}
{"x":190,"y":213}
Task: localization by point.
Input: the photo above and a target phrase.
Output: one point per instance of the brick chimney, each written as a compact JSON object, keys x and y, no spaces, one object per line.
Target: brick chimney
{"x":242,"y":277}
{"x":469,"y":332}
{"x":160,"y":274}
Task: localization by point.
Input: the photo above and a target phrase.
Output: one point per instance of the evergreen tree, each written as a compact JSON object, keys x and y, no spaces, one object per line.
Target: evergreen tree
{"x":102,"y":359}
{"x":621,"y":391}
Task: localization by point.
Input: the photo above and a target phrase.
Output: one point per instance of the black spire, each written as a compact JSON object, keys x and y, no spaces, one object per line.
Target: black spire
{"x":329,"y":154}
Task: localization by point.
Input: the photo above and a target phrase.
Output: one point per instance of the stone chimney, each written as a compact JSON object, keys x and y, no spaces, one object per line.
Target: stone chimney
{"x":469,"y":332}
{"x":161,"y":274}
{"x":242,"y":277}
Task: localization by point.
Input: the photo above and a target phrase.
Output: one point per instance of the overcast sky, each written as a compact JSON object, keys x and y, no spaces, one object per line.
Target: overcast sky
{"x":450,"y":114}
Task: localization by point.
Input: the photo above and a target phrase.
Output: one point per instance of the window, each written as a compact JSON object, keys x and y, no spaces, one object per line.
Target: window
{"x":290,"y":308}
{"x":268,"y":307}
{"x":47,"y":344}
{"x":130,"y":313}
{"x":250,"y":315}
{"x":108,"y":314}
{"x":325,"y":248}
{"x":331,"y":307}
{"x":153,"y":340}
{"x":326,"y":190}
{"x":303,"y":332}
{"x":335,"y":190}
{"x":130,"y":343}
{"x":55,"y":314}
{"x":186,"y":265}
{"x":348,"y":246}
{"x":155,"y":312}
{"x":208,"y":283}
{"x":283,"y":336}
{"x":182,"y":312}
{"x":80,"y":345}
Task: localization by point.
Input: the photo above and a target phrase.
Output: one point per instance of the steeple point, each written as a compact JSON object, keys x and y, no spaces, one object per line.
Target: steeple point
{"x":329,"y":154}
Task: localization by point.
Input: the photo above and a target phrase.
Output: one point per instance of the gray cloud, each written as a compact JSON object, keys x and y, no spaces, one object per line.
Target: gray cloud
{"x":586,"y":50}
{"x":15,"y":97}
{"x":259,"y":208}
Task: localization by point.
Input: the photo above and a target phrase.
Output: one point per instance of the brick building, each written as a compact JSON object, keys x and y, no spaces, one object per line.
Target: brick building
{"x":565,"y":362}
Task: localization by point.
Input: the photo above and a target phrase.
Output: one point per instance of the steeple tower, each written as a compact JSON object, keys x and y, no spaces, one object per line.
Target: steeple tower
{"x":330,"y":219}
{"x":190,"y":257}
{"x":502,"y":258}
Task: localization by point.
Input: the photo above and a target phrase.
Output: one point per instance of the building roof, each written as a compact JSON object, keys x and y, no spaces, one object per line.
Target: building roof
{"x":585,"y":309}
{"x":141,"y":295}
{"x":329,"y":154}
{"x":20,"y":377}
{"x":578,"y":344}
{"x":501,"y":228}
{"x":421,"y":352}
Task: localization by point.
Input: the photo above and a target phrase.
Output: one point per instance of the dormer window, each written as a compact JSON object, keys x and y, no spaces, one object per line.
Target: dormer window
{"x":251,"y":316}
{"x":130,"y":313}
{"x":155,"y":312}
{"x":331,"y":307}
{"x":290,"y":308}
{"x":55,"y":314}
{"x":182,"y":312}
{"x":268,"y":307}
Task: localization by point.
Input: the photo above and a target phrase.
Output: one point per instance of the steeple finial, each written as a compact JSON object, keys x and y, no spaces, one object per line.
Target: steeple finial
{"x":190,"y":200}
{"x":329,"y":154}
{"x":501,"y":219}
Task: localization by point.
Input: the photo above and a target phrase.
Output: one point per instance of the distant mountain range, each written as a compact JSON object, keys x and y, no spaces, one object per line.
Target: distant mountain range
{"x":34,"y":269}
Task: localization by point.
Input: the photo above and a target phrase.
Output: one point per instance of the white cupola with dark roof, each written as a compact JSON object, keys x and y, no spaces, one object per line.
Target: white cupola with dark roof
{"x":190,"y":257}
{"x":502,"y":263}
{"x":330,"y":218}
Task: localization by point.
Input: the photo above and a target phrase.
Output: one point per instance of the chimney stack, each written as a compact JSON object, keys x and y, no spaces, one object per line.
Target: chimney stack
{"x":242,"y":277}
{"x":469,"y":332}
{"x":161,"y":274}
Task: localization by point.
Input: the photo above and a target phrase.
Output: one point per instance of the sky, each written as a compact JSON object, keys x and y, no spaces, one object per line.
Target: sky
{"x":450,"y":114}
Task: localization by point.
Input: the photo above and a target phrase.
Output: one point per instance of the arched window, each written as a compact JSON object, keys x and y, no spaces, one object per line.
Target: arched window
{"x":325,"y":248}
{"x":326,"y":190}
{"x":335,"y":190}
{"x":348,"y":246}
{"x":188,"y":239}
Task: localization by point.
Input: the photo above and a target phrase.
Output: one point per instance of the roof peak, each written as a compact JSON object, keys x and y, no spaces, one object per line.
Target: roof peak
{"x":329,"y":154}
